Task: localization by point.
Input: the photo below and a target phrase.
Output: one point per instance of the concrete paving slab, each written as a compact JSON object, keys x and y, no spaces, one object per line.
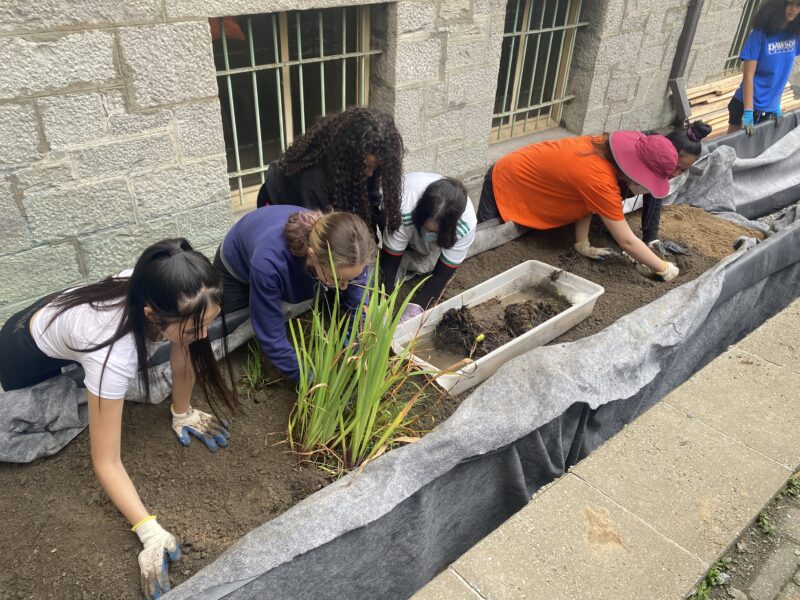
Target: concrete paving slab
{"x":573,"y":542}
{"x":777,"y":340}
{"x":748,"y":398}
{"x":788,"y":523}
{"x":775,"y":574}
{"x":446,"y":586}
{"x":696,"y":486}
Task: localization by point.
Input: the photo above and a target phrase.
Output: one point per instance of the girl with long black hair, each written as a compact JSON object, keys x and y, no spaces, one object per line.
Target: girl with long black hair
{"x":351,"y":161}
{"x":110,"y":327}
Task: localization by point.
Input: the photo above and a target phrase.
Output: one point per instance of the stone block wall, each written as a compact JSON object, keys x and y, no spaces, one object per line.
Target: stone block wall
{"x":621,"y":65}
{"x":715,"y":32}
{"x":110,"y":138}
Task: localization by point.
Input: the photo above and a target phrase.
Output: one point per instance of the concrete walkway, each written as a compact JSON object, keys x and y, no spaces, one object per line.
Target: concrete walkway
{"x":650,"y":511}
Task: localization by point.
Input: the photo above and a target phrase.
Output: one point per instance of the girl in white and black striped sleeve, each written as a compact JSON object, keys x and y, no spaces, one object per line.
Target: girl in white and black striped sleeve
{"x":438,"y":221}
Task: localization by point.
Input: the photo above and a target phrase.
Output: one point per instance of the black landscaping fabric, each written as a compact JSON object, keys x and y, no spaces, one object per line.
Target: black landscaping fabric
{"x":384,"y":532}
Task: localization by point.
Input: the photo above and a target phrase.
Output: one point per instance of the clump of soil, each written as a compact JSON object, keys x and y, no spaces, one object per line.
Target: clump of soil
{"x":476,"y":331}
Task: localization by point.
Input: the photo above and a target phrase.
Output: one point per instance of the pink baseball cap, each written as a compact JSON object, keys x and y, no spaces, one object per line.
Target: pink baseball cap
{"x":649,"y":160}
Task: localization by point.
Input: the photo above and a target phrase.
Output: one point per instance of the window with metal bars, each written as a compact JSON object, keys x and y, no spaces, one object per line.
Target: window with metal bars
{"x":534,"y":66}
{"x":732,"y":64}
{"x":276,"y":74}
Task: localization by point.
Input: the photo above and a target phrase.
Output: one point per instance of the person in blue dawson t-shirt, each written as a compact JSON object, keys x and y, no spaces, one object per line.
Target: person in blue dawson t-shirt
{"x":767,"y":59}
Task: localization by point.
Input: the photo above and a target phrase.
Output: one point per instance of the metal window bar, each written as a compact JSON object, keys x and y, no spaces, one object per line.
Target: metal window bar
{"x":248,"y":161}
{"x":537,"y":66}
{"x":732,"y":64}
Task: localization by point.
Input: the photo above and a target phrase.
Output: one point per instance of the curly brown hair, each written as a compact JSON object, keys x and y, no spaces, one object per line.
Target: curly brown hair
{"x":343,"y":142}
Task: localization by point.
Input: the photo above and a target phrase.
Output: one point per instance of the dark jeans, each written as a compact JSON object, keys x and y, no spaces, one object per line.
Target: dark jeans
{"x":235,"y":293}
{"x":736,"y":112}
{"x":487,"y":205}
{"x":22,"y":364}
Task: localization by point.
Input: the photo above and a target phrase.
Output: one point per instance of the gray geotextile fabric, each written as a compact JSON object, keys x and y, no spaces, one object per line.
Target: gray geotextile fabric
{"x":40,"y":420}
{"x":742,"y":189}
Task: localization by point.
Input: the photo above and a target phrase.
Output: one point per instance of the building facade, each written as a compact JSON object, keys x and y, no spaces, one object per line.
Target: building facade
{"x":119,"y":122}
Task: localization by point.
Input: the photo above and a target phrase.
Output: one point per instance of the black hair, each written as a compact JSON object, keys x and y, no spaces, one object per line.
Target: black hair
{"x":687,"y":140}
{"x":178,"y":284}
{"x":770,"y":17}
{"x":444,"y":202}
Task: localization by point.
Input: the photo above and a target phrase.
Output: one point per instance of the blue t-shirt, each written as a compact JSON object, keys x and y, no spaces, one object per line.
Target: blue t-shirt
{"x":774,"y":56}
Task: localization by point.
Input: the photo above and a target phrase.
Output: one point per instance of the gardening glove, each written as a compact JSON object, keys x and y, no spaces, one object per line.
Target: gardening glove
{"x":670,"y":272}
{"x":203,"y":426}
{"x":667,"y":247}
{"x":584,"y":248}
{"x":412,"y":310}
{"x":747,"y":122}
{"x":159,"y":545}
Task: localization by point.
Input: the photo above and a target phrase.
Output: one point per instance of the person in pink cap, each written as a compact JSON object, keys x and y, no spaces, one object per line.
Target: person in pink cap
{"x":566,"y":181}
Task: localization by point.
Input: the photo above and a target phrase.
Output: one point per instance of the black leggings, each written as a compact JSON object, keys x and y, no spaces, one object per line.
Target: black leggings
{"x":651,"y":218}
{"x":487,"y":205}
{"x":22,"y":364}
{"x":235,"y":294}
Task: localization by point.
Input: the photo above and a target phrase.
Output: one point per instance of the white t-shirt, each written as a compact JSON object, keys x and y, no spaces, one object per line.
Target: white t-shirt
{"x":85,"y":326}
{"x":414,"y":185}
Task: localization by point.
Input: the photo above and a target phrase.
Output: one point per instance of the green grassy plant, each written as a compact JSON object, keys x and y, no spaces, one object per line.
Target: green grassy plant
{"x":765,"y":524}
{"x":253,"y":369}
{"x":350,"y":407}
{"x":717,"y":575}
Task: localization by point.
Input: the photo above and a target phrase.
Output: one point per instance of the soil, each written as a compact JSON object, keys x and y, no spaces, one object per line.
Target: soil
{"x":60,"y":537}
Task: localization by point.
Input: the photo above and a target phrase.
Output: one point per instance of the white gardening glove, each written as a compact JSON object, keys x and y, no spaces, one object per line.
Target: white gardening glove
{"x":584,"y":248}
{"x":159,"y":545}
{"x":205,"y":427}
{"x":412,"y":310}
{"x":670,"y":272}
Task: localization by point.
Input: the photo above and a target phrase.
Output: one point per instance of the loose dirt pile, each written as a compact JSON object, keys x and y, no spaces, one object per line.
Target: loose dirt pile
{"x":61,"y":537}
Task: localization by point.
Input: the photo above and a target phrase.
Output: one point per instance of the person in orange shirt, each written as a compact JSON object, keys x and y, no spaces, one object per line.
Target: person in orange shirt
{"x":559,"y":182}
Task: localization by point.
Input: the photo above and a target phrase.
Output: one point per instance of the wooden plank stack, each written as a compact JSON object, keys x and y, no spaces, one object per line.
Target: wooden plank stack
{"x":709,"y":102}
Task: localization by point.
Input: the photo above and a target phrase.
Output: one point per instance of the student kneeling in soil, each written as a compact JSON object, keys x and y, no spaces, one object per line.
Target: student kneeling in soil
{"x":351,"y":161}
{"x":282,"y":254}
{"x":438,"y":222}
{"x":558,"y":182}
{"x":687,"y":142}
{"x":109,"y":327}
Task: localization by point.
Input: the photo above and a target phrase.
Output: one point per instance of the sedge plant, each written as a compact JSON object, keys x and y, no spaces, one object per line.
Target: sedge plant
{"x":347,"y":406}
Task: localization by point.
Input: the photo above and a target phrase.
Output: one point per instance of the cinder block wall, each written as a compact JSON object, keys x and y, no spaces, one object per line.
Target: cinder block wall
{"x":622,"y":62}
{"x":715,"y":32}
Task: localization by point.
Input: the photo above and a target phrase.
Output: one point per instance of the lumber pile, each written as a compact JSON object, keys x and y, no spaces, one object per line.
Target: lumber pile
{"x":709,"y":102}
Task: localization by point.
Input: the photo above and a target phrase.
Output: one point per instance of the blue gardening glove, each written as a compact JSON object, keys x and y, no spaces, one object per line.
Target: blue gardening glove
{"x":203,"y":426}
{"x":778,"y":116}
{"x":412,"y":310}
{"x":159,"y":546}
{"x":747,"y":121}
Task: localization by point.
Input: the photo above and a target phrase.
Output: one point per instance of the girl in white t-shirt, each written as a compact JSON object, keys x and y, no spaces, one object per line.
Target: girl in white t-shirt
{"x":109,"y":327}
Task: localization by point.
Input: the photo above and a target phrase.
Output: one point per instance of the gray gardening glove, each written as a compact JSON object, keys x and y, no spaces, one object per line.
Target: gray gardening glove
{"x":584,"y":248}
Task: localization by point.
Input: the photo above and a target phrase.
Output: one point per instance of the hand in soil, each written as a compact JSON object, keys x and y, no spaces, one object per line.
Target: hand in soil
{"x":159,"y":545}
{"x":584,"y":248}
{"x":664,"y":247}
{"x":668,"y":274}
{"x":205,"y":427}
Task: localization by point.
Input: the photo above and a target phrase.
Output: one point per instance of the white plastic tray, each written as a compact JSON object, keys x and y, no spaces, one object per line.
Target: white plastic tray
{"x":581,"y":293}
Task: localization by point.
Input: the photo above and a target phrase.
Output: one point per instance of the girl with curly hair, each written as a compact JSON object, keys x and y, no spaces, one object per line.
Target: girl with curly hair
{"x":287,"y":254}
{"x":767,"y":60}
{"x":351,"y":161}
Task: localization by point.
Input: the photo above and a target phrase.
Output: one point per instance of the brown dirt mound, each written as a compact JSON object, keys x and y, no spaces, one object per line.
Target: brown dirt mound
{"x":61,"y":537}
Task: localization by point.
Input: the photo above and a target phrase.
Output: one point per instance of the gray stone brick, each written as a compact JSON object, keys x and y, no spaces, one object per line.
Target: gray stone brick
{"x":420,"y":159}
{"x":126,"y":155}
{"x":14,"y":228}
{"x":176,"y":189}
{"x":112,"y":251}
{"x":463,"y":160}
{"x":465,"y":54}
{"x":415,"y":16}
{"x":73,"y":210}
{"x":471,"y":86}
{"x":621,"y":89}
{"x":409,"y":116}
{"x":454,"y":9}
{"x":207,"y":225}
{"x":33,"y":273}
{"x":436,"y":98}
{"x":19,"y":140}
{"x":73,"y":119}
{"x":32,"y":66}
{"x":199,"y":129}
{"x":53,"y":14}
{"x":168,"y":63}
{"x":478,"y":120}
{"x":418,"y":59}
{"x":448,"y":125}
{"x":484,"y":7}
{"x":133,"y":123}
{"x":43,"y":175}
{"x":206,"y":8}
